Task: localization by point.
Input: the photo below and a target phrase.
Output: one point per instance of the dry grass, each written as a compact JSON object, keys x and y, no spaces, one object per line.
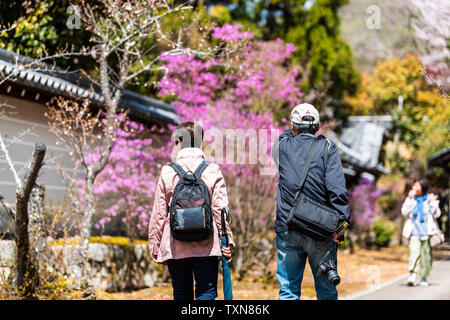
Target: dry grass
{"x":358,"y":271}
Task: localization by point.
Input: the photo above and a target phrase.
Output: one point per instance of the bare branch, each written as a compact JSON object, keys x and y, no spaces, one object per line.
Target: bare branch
{"x":34,"y":167}
{"x":7,"y":207}
{"x":21,"y":135}
{"x":5,"y":109}
{"x":10,"y":162}
{"x":434,"y":83}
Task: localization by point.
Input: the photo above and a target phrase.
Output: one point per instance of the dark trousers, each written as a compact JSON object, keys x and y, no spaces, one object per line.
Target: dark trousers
{"x":205,"y":270}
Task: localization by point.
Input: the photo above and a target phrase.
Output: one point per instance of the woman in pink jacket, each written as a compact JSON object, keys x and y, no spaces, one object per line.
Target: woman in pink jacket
{"x":188,"y":260}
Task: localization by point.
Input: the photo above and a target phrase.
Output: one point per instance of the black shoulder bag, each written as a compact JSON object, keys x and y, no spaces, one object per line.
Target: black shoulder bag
{"x":307,"y":216}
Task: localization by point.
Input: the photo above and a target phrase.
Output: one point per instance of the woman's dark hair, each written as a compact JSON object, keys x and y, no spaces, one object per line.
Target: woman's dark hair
{"x":424,"y":184}
{"x":189,"y":134}
{"x":408,"y":187}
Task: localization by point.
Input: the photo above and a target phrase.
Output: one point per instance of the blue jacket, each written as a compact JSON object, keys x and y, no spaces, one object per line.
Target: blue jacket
{"x":325,"y":182}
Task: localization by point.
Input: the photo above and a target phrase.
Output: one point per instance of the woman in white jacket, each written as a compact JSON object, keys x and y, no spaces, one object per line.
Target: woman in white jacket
{"x":421,"y":208}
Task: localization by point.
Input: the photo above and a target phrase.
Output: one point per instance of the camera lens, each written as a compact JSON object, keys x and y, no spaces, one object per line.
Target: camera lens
{"x":333,"y":277}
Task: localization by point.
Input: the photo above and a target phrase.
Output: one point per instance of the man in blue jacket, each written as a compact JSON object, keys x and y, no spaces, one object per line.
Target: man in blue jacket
{"x":325,"y":184}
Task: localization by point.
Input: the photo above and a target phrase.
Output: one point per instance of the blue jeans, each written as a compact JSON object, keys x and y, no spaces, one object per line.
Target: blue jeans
{"x":293,"y":249}
{"x":205,"y":270}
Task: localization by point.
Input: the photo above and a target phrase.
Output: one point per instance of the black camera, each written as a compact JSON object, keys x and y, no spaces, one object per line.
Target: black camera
{"x":328,"y":267}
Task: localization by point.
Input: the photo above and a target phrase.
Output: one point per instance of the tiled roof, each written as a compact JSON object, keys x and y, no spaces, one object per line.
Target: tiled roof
{"x":361,"y":140}
{"x":71,"y":84}
{"x":441,"y":158}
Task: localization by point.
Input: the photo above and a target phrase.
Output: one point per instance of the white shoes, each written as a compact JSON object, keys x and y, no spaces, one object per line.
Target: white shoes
{"x":423,"y":282}
{"x":411,"y":279}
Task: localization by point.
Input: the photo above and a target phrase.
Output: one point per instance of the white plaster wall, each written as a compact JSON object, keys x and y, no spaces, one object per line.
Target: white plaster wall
{"x":23,"y":116}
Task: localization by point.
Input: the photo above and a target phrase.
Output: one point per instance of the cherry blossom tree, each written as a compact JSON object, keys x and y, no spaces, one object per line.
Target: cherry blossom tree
{"x":126,"y":186}
{"x":362,"y":198}
{"x":433,"y":29}
{"x":230,"y":96}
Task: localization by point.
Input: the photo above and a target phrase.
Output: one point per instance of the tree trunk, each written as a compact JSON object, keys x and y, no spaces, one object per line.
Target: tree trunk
{"x":26,"y":272}
{"x":36,"y":228}
{"x":81,"y":275}
{"x":39,"y":250}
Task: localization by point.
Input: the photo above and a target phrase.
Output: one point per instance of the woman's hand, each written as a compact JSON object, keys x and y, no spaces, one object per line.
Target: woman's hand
{"x":432,"y":197}
{"x":412,"y":193}
{"x":227,"y":252}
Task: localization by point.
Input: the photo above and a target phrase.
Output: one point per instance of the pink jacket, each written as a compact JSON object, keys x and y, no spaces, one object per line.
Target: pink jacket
{"x":161,"y":242}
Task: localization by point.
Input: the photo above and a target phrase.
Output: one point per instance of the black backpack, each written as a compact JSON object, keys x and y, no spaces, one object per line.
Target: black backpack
{"x":191,"y":217}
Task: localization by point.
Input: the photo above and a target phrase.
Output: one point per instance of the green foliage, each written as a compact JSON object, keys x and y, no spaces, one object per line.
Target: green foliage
{"x":318,"y":41}
{"x":384,"y":229}
{"x":388,"y":201}
{"x":31,"y":32}
{"x":37,"y":28}
{"x":221,"y":13}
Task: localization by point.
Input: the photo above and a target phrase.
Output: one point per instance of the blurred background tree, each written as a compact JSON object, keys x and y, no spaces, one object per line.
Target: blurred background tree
{"x":421,"y":119}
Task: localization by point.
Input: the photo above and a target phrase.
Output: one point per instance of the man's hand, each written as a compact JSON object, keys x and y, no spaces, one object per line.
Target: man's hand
{"x":337,"y":236}
{"x":227,"y":252}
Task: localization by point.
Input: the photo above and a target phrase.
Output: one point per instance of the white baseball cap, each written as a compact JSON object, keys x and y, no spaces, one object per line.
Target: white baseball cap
{"x":304,"y":109}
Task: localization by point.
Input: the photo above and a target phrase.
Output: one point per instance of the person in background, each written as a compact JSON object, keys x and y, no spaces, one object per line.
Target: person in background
{"x":421,"y":209}
{"x":189,"y":260}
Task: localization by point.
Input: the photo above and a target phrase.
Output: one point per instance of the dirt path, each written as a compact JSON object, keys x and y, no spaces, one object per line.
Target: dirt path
{"x":438,"y":289}
{"x":359,"y":271}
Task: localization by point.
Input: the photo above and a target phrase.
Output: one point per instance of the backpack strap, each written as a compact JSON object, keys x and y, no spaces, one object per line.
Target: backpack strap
{"x":179,"y":170}
{"x":198,"y":172}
